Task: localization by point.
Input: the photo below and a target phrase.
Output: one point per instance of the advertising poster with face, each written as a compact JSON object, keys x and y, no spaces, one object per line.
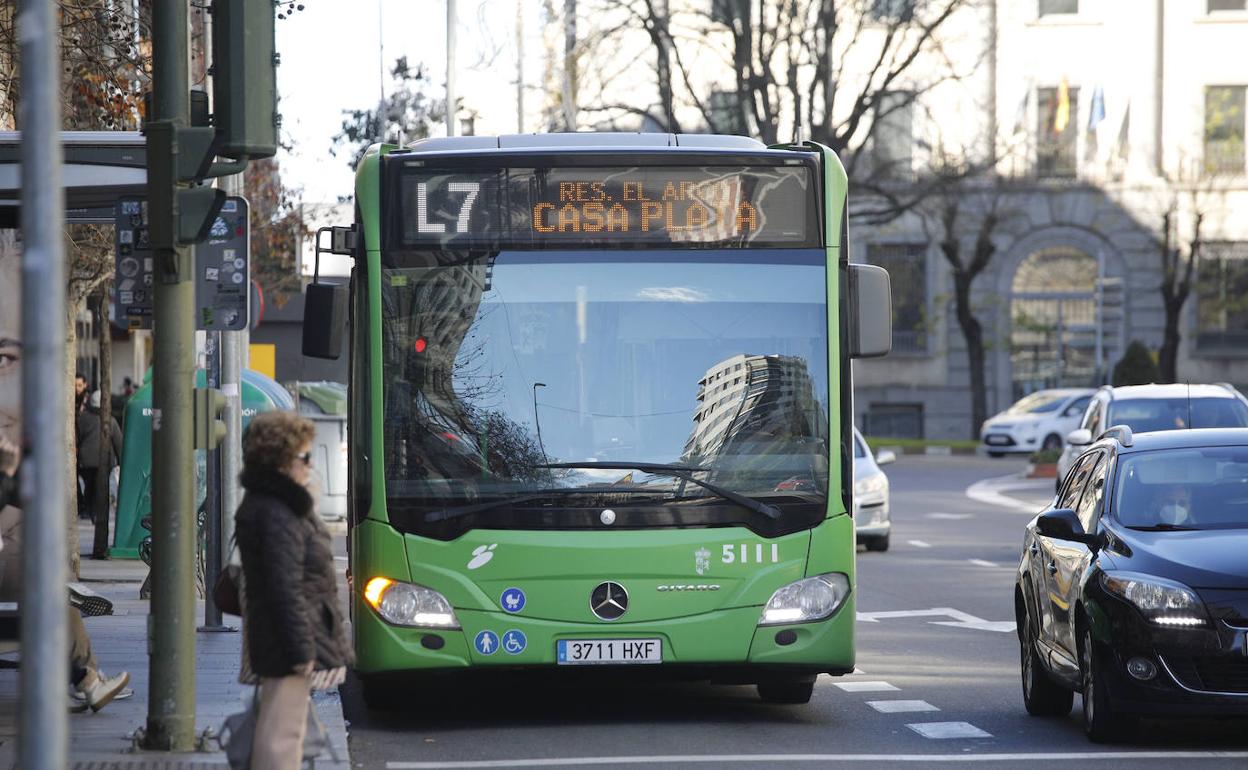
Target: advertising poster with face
{"x":10,"y":397}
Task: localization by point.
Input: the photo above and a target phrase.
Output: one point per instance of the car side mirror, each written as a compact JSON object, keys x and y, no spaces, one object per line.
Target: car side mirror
{"x":1063,"y":524}
{"x":1080,"y":437}
{"x":885,"y":457}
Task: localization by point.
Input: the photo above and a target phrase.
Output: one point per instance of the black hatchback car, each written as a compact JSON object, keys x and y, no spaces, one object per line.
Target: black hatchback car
{"x":1133,"y":585}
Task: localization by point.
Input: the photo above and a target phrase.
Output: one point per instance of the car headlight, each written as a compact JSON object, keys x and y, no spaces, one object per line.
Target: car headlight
{"x":1162,"y":601}
{"x":876,"y":482}
{"x":405,"y":604}
{"x":813,"y":598}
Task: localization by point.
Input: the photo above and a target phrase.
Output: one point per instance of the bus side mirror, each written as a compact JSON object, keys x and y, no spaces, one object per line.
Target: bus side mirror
{"x":324,"y":312}
{"x":870,"y":312}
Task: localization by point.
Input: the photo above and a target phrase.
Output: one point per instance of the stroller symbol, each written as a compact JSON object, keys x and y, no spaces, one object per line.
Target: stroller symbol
{"x":512,"y":600}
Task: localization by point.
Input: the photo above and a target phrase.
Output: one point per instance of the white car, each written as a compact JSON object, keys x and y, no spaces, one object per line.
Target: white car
{"x":1038,"y":421}
{"x":871,"y":515}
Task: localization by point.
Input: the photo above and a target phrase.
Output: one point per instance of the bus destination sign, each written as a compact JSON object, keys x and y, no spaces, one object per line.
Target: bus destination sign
{"x":655,"y":206}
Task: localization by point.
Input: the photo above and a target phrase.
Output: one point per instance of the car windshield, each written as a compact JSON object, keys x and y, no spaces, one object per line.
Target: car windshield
{"x":1199,"y":488}
{"x":1151,"y":414}
{"x":1043,"y":401}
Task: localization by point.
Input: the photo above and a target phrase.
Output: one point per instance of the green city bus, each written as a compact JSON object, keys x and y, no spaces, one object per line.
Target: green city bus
{"x":600,"y":407}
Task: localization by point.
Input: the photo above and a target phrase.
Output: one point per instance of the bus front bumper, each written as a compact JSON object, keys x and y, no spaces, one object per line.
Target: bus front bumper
{"x":725,"y":645}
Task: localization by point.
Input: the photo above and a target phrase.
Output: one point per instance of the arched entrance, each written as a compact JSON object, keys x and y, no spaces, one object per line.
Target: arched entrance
{"x":1055,"y":322}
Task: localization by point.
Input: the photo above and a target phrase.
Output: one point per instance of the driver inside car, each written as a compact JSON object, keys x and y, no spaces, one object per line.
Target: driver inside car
{"x":1174,"y":505}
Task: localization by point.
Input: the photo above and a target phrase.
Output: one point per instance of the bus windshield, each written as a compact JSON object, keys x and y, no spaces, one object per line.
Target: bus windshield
{"x":498,"y":366}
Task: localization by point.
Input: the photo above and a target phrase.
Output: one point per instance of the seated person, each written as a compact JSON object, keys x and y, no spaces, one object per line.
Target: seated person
{"x":1173,"y":505}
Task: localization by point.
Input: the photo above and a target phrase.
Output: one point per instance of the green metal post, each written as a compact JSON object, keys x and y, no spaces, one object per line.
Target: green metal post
{"x":171,"y":625}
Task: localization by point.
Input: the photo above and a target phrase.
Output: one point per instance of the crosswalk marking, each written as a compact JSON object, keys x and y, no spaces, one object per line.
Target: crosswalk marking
{"x":865,"y":686}
{"x":942,"y":730}
{"x":900,"y":706}
{"x":919,"y":544}
{"x":982,"y":563}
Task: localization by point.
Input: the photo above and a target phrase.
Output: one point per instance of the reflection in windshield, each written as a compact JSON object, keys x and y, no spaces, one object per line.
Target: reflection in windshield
{"x":1204,"y":488}
{"x":497,"y":367}
{"x":1037,"y":403}
{"x":1151,"y":414}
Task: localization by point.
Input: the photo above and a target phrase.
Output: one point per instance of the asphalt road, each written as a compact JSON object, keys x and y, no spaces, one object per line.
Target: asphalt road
{"x":938,"y":680}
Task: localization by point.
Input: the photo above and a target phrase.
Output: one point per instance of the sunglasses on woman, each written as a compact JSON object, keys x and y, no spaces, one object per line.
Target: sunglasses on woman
{"x":305,"y":458}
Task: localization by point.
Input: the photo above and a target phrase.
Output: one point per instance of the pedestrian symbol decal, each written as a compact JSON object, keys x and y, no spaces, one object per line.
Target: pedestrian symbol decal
{"x":512,"y":600}
{"x":514,"y":642}
{"x":481,"y":555}
{"x":486,"y":642}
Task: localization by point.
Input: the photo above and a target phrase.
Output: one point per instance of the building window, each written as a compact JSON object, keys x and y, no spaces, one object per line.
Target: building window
{"x":893,"y":135}
{"x":1222,"y":297}
{"x":1227,"y":5}
{"x":1224,"y":129}
{"x":1050,"y":7}
{"x":884,"y":420}
{"x":1056,"y":134}
{"x":726,"y":116}
{"x":906,"y":264}
{"x":891,"y":10}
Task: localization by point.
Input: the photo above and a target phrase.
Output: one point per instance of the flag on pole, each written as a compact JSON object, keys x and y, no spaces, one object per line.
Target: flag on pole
{"x":1096,"y":112}
{"x":1061,"y":115}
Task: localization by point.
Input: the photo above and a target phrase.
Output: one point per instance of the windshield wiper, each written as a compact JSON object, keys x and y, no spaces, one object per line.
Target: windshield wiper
{"x":681,"y":472}
{"x":1163,"y":528}
{"x":468,"y":510}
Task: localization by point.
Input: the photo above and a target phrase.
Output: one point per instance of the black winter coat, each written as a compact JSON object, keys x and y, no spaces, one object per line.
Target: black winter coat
{"x":292,"y":611}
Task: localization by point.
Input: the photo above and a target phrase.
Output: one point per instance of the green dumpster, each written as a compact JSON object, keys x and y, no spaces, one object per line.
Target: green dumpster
{"x":134,"y":492}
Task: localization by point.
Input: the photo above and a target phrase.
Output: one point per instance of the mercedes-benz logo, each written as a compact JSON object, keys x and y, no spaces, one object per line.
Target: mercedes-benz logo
{"x":609,"y":600}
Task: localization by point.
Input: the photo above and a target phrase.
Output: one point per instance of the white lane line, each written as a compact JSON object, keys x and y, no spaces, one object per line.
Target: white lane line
{"x":942,"y":730}
{"x":900,"y":706}
{"x":960,"y":619}
{"x":993,"y":492}
{"x":866,"y":686}
{"x":674,"y":759}
{"x":951,"y":516}
{"x":919,"y":544}
{"x":982,"y":563}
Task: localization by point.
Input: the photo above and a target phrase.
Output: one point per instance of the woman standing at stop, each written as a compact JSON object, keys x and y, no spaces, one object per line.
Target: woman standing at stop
{"x":293,"y":625}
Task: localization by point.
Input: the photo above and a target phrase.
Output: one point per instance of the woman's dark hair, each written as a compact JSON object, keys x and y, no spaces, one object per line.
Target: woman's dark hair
{"x":273,"y":439}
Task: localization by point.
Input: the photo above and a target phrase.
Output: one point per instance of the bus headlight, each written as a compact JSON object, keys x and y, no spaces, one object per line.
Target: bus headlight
{"x":405,"y":604}
{"x":813,"y":598}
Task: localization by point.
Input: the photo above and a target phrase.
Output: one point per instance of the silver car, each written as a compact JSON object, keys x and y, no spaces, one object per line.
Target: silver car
{"x":871,"y":515}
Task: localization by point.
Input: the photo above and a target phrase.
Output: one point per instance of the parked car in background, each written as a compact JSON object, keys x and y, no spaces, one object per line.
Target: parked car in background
{"x":1146,"y":408}
{"x":872,"y":521}
{"x":1132,"y":587}
{"x":325,"y":404}
{"x":1037,"y":421}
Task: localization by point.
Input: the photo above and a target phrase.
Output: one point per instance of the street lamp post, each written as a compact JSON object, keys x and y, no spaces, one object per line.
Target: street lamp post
{"x":537,"y":420}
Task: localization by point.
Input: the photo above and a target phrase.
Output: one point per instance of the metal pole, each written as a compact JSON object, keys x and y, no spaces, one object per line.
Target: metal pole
{"x":519,"y":66}
{"x":537,"y":422}
{"x":232,"y":388}
{"x":569,"y":65}
{"x":450,"y":67}
{"x":43,"y":721}
{"x":171,"y":697}
{"x":212,"y":500}
{"x":1100,"y":313}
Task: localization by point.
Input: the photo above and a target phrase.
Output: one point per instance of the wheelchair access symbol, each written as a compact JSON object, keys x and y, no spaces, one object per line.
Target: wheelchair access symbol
{"x":512,"y":600}
{"x":514,"y":642}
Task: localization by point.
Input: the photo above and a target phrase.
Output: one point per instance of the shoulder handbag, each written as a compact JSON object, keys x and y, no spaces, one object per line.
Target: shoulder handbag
{"x":225,"y":590}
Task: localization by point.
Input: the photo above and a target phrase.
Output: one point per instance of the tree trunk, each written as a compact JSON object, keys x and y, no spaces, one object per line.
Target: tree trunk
{"x":973,"y":333}
{"x":1167,"y":358}
{"x":99,"y":549}
{"x":71,"y":449}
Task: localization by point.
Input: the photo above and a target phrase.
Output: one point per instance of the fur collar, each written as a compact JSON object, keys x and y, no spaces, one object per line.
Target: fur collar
{"x":272,"y":482}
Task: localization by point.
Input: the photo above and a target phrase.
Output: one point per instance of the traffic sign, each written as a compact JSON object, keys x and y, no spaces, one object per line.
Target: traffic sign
{"x":222,"y":271}
{"x":133,"y":262}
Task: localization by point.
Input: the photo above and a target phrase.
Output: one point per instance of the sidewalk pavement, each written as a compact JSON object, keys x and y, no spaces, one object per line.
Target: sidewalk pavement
{"x":103,"y":741}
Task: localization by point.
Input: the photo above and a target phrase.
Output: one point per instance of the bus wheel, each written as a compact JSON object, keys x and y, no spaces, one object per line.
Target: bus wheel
{"x":787,"y":690}
{"x":380,"y":695}
{"x":877,"y":543}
